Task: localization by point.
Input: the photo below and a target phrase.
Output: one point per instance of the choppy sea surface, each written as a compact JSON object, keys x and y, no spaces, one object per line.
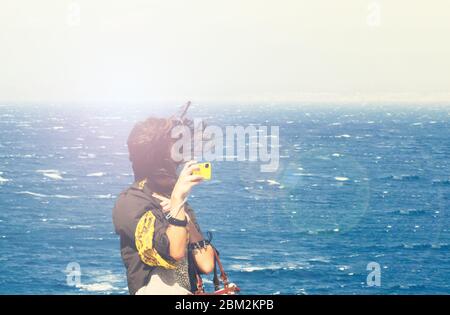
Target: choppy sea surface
{"x":354,"y":187}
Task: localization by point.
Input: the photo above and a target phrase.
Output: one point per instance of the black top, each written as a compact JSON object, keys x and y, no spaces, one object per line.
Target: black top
{"x":130,"y":206}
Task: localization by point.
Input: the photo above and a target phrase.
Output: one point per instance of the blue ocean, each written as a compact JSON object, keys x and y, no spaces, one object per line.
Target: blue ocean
{"x":355,"y":188}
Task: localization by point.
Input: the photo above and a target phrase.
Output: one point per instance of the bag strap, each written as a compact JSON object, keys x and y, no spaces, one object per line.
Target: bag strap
{"x":216,"y":281}
{"x":200,"y":288}
{"x":223,"y":275}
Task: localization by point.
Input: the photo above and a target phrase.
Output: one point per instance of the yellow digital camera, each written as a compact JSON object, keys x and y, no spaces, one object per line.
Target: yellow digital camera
{"x":205,"y":170}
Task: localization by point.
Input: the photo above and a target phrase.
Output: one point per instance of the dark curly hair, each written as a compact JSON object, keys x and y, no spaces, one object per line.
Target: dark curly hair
{"x":149,"y":145}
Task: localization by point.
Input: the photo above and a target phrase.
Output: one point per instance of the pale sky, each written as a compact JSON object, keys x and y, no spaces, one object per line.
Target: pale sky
{"x":68,"y":51}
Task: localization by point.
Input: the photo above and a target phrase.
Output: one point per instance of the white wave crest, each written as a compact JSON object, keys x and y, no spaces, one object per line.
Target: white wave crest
{"x":53,"y":174}
{"x":34,"y":194}
{"x":31,"y":193}
{"x":103,"y":281}
{"x":96,"y":174}
{"x":98,"y":287}
{"x":107,"y":196}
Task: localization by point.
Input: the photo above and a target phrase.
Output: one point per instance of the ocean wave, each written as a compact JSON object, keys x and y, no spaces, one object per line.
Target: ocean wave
{"x":102,"y":281}
{"x":341,"y":178}
{"x":79,"y":226}
{"x":343,"y":267}
{"x":262,"y":268}
{"x":96,"y":174}
{"x":320,"y":231}
{"x":107,"y":196}
{"x":440,"y":246}
{"x":320,"y":259}
{"x":305,"y":174}
{"x":407,"y":287}
{"x":34,"y":194}
{"x":443,"y":182}
{"x":4,"y":180}
{"x":87,"y":156}
{"x":412,"y":246}
{"x":241,"y":257}
{"x":270,"y":182}
{"x":401,"y":177}
{"x":409,"y":212}
{"x":53,"y":174}
{"x":97,"y":287}
{"x":31,"y":193}
{"x":425,"y":246}
{"x":64,"y":196}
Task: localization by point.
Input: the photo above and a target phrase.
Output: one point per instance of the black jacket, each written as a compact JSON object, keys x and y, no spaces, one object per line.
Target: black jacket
{"x":130,"y":206}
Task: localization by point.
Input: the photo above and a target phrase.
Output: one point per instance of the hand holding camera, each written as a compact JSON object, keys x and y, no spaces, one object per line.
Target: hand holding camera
{"x":186,"y":180}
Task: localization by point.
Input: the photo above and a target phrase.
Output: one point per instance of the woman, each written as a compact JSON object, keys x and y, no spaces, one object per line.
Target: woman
{"x":161,"y":243}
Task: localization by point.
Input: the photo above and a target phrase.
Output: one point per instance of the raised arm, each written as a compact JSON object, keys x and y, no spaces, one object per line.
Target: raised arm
{"x":178,"y":235}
